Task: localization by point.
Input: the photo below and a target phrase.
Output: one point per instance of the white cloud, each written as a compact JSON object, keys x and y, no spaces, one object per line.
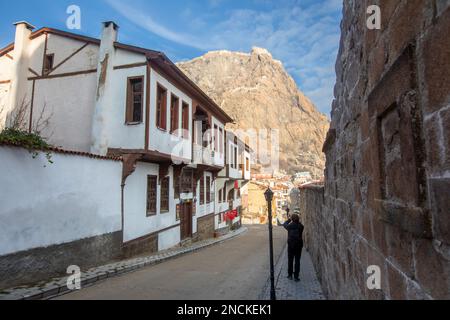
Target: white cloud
{"x":146,"y":22}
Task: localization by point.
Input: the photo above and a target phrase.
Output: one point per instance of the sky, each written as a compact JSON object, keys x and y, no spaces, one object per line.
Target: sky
{"x":303,"y":34}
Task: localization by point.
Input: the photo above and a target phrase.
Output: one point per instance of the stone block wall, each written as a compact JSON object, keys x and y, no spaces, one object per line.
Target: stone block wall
{"x":205,"y":227}
{"x":387,"y":191}
{"x":41,"y":264}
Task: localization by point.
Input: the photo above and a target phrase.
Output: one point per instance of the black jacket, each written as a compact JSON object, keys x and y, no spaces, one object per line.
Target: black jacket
{"x":295,"y":233}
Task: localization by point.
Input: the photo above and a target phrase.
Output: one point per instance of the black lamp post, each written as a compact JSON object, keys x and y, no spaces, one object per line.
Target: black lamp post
{"x":269,"y":197}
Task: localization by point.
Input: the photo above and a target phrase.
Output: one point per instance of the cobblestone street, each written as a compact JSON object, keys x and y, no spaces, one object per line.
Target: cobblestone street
{"x":307,"y":289}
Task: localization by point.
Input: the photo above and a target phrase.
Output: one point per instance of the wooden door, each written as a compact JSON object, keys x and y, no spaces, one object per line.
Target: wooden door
{"x":186,"y":221}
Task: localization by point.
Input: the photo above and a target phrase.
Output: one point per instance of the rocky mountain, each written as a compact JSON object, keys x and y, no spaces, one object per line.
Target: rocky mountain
{"x":257,"y":92}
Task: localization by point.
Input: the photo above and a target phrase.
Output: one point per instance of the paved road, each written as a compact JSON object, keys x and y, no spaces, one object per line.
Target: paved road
{"x":235,"y":270}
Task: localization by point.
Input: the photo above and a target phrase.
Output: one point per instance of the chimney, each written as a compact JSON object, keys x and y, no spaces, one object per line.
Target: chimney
{"x":23,"y":33}
{"x":103,"y":113}
{"x":19,"y":74}
{"x":109,"y":34}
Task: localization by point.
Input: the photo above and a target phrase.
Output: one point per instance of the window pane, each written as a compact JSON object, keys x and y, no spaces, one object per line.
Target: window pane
{"x":221,"y":140}
{"x":161,"y":108}
{"x":135,"y":100}
{"x":174,"y":114}
{"x":165,"y":183}
{"x":151,"y":195}
{"x":202,"y":191}
{"x":186,"y":181}
{"x":208,"y":190}
{"x":185,"y":120}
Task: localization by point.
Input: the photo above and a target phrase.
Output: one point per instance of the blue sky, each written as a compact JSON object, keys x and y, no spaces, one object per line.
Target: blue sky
{"x":303,"y":34}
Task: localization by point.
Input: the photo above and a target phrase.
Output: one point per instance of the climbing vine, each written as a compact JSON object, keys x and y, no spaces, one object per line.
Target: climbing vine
{"x":19,"y":132}
{"x":30,"y":141}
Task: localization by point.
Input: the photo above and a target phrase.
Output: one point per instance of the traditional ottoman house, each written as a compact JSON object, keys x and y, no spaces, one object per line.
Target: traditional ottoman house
{"x":107,"y":99}
{"x":232,"y":183}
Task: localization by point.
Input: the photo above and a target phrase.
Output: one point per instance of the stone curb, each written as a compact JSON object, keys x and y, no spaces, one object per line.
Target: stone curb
{"x":58,"y":287}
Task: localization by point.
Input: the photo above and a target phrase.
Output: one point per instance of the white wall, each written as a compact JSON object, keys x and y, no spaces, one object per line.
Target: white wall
{"x":6,"y":67}
{"x":136,"y":222}
{"x":62,"y":48}
{"x":119,"y":134}
{"x":68,"y":101}
{"x":5,"y":89}
{"x":46,"y":204}
{"x":69,"y":105}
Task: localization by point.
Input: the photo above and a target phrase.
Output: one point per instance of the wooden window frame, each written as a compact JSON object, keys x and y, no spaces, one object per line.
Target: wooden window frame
{"x":161,"y":108}
{"x":202,"y":191}
{"x":221,"y":144}
{"x":151,"y":212}
{"x":45,"y":68}
{"x":129,"y":108}
{"x":185,"y":119}
{"x":224,"y":196}
{"x":208,"y":189}
{"x":216,"y":138}
{"x":174,"y":126}
{"x":162,"y":196}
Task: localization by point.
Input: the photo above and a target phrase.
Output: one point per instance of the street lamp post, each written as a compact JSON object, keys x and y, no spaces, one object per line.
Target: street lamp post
{"x":269,"y":197}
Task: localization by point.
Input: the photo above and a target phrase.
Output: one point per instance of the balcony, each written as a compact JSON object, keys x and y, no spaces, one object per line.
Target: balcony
{"x":234,"y":173}
{"x":206,"y":156}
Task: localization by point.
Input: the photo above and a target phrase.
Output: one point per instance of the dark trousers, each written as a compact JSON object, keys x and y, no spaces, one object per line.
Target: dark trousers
{"x":294,"y":255}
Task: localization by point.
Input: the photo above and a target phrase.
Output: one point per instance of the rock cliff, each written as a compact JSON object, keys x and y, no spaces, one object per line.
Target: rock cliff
{"x":258,"y":93}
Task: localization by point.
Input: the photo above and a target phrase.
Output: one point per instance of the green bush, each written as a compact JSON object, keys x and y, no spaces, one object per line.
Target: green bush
{"x":30,"y":141}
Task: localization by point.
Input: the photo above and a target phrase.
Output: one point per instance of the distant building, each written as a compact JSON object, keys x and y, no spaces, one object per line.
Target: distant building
{"x":302,"y":177}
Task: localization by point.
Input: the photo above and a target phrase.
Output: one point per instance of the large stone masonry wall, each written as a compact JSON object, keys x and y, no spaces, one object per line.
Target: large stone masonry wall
{"x":386,"y":200}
